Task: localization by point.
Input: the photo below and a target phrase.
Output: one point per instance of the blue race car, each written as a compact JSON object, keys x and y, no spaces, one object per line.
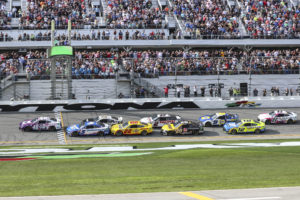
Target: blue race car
{"x":218,"y":119}
{"x":88,"y":128}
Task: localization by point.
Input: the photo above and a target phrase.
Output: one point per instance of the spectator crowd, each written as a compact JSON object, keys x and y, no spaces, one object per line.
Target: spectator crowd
{"x":212,"y":18}
{"x":209,"y":19}
{"x":133,"y":14}
{"x":152,"y":63}
{"x":271,"y":19}
{"x":39,"y":14}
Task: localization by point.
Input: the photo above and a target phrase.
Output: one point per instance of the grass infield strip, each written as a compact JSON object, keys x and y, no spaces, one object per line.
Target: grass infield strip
{"x":161,"y":171}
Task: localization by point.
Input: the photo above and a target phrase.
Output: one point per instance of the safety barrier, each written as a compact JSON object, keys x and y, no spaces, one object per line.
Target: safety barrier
{"x":147,"y":104}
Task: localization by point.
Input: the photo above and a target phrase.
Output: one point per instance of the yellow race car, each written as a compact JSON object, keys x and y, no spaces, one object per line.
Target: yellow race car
{"x":131,"y":128}
{"x":182,"y":128}
{"x":245,"y":126}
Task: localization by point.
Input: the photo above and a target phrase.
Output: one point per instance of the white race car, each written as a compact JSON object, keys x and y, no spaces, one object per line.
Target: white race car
{"x":161,"y":119}
{"x":105,"y":119}
{"x":278,"y":117}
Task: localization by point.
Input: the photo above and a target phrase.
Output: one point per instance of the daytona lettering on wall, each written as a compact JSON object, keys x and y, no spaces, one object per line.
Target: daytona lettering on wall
{"x":97,"y":106}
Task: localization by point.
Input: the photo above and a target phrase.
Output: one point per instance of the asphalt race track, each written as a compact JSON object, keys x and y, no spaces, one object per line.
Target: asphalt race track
{"x":10,"y":134}
{"x":280,"y":193}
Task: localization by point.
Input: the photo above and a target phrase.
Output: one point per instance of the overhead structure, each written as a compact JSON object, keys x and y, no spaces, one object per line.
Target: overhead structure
{"x":61,"y":61}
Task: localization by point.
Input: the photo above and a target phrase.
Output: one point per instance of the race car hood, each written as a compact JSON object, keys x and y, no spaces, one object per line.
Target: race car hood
{"x":167,"y":127}
{"x":205,"y":118}
{"x":264,"y":116}
{"x":294,"y":114}
{"x":147,"y":120}
{"x":73,"y":128}
{"x":25,"y":123}
{"x":116,"y":127}
{"x":229,"y":126}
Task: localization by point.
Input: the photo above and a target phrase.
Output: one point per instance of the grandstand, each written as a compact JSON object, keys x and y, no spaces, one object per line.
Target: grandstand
{"x":125,"y":45}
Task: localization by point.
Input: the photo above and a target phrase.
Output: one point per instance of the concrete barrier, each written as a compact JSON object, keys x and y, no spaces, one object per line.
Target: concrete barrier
{"x":153,"y":103}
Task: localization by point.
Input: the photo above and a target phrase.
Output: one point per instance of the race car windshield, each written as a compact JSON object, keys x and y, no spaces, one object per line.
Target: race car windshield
{"x":154,"y":117}
{"x":271,"y":113}
{"x":34,"y":120}
{"x":239,"y":124}
{"x":177,"y":125}
{"x":125,"y":124}
{"x":214,"y":116}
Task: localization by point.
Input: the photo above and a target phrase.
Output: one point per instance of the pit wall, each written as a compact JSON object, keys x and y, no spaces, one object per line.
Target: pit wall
{"x":153,"y":103}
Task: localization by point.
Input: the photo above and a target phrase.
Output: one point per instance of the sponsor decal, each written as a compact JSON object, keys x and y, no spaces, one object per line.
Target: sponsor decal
{"x":249,"y":104}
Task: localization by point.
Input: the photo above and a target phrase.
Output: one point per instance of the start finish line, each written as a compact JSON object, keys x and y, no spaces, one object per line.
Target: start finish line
{"x":26,"y":151}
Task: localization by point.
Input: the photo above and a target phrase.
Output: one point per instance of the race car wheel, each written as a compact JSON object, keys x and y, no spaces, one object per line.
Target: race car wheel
{"x":52,"y":128}
{"x":257,"y":131}
{"x":74,"y":134}
{"x":144,"y":133}
{"x":119,"y":133}
{"x":100,"y":133}
{"x":290,"y":121}
{"x":27,"y":129}
{"x":268,"y":122}
{"x":233,"y":132}
{"x":208,"y":124}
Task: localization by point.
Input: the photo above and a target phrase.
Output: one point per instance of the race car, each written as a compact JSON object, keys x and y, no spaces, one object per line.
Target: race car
{"x":244,"y":126}
{"x":182,"y":128}
{"x":278,"y":117}
{"x":131,"y":128}
{"x":40,"y":124}
{"x":161,"y":119}
{"x":218,"y":119}
{"x":106,"y":119}
{"x":88,"y":128}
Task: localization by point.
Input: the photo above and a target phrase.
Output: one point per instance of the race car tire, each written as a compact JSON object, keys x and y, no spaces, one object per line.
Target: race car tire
{"x":27,"y":129}
{"x":52,"y":128}
{"x":290,"y":121}
{"x":268,"y":122}
{"x":234,"y":131}
{"x":119,"y":133}
{"x":144,"y":132}
{"x":100,"y":133}
{"x":208,"y":124}
{"x":74,"y":134}
{"x":257,"y":131}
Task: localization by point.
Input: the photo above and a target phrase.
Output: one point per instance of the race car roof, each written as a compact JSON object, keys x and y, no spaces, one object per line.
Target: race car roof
{"x":134,"y":122}
{"x":44,"y":118}
{"x":248,"y":120}
{"x":220,"y":114}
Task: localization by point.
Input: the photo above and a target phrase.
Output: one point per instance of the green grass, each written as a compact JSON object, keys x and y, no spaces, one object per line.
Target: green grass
{"x":180,"y":170}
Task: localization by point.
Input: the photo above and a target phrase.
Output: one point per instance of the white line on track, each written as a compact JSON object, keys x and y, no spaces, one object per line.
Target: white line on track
{"x":256,"y":198}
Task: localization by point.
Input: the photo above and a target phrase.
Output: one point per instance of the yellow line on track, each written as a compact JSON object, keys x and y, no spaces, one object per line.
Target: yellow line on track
{"x":196,"y":196}
{"x":62,"y":124}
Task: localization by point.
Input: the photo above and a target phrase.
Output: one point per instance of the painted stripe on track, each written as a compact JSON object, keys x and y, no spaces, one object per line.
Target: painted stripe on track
{"x":195,"y":196}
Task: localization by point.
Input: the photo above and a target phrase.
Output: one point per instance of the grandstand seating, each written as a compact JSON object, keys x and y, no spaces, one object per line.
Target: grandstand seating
{"x":164,"y":37}
{"x":186,"y":19}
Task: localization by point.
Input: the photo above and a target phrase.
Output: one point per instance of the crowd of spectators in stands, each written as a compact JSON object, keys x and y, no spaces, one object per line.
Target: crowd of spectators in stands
{"x":5,"y":16}
{"x":152,"y":63}
{"x":94,"y":35}
{"x":271,"y":19}
{"x":201,"y":19}
{"x":206,"y":18}
{"x":133,"y":14}
{"x":39,"y":14}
